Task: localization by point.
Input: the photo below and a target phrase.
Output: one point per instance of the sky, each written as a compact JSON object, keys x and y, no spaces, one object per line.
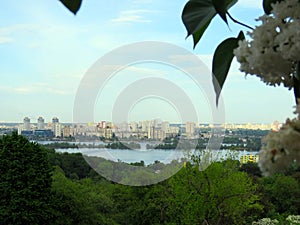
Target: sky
{"x":46,"y":52}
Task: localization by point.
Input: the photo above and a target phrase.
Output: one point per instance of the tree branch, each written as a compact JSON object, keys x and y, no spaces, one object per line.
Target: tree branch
{"x":238,"y":22}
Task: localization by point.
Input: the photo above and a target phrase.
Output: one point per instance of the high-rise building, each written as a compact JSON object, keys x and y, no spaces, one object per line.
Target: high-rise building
{"x":156,"y":122}
{"x":190,"y":128}
{"x":55,"y":120}
{"x":40,"y":123}
{"x":56,"y":127}
{"x":67,"y":131}
{"x":144,"y":125}
{"x":26,"y":123}
{"x":57,"y":130}
{"x":165,"y":126}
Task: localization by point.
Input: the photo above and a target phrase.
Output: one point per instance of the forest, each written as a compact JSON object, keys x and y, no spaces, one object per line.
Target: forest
{"x":41,"y":186}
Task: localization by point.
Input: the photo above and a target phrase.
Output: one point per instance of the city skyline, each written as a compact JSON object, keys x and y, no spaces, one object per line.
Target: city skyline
{"x":46,"y":51}
{"x":40,"y":123}
{"x":156,"y":129}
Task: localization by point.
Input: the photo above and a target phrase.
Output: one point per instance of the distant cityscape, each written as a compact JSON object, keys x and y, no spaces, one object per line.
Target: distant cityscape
{"x":241,"y":137}
{"x":155,"y":129}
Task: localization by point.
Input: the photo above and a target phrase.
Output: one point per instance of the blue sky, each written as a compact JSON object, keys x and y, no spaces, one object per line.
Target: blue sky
{"x":45,"y":51}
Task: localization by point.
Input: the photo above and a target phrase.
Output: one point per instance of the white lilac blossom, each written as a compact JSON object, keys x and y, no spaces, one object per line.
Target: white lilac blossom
{"x":280,"y":149}
{"x":265,"y":221}
{"x":274,"y":48}
{"x":293,"y":219}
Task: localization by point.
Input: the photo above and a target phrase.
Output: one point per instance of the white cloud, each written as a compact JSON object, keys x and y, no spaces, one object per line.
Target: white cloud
{"x":133,"y":16}
{"x":7,"y":33}
{"x":5,"y":39}
{"x":129,"y":19}
{"x":36,"y":88}
{"x":16,"y":28}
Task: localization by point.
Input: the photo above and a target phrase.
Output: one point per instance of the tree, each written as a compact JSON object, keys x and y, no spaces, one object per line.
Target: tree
{"x":219,"y":195}
{"x":79,"y":202}
{"x":25,"y":181}
{"x":283,"y":193}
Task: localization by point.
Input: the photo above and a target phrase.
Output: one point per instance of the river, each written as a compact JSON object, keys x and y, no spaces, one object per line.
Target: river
{"x":149,"y":156}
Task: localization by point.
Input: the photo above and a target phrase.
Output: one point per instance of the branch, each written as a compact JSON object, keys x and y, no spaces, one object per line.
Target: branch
{"x":238,"y":22}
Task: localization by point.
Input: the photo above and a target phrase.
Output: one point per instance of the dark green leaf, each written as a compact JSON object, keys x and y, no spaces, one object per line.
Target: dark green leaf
{"x":221,"y":7}
{"x":222,"y":60}
{"x":72,"y":5}
{"x":267,"y":5}
{"x":197,"y":15}
{"x":198,"y":34}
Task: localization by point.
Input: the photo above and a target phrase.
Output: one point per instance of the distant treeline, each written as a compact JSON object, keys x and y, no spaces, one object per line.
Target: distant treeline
{"x":112,"y":145}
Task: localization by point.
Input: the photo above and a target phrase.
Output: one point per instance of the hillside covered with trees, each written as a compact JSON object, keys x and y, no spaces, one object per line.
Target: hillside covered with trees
{"x":40,"y":186}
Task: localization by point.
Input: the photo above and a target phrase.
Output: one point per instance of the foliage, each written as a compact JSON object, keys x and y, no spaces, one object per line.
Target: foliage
{"x":219,"y":195}
{"x":25,"y":181}
{"x":60,"y":145}
{"x":72,"y":5}
{"x":121,"y":145}
{"x":222,"y":59}
{"x":222,"y":194}
{"x":283,"y":192}
{"x":251,"y":169}
{"x":73,"y":164}
{"x":272,"y":54}
{"x":197,"y":15}
{"x":79,"y":202}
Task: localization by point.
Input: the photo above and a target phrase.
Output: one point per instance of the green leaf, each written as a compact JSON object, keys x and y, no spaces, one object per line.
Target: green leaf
{"x":198,"y":34}
{"x":267,"y":5}
{"x":197,"y":15}
{"x":72,"y":5}
{"x":222,"y":60}
{"x":221,"y":7}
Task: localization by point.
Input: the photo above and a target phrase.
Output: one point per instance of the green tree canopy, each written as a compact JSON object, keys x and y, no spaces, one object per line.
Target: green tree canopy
{"x":25,"y":181}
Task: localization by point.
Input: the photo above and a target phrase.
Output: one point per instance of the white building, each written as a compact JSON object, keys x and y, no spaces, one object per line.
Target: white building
{"x":190,"y":128}
{"x":56,"y":127}
{"x":40,"y":123}
{"x":26,"y":124}
{"x":165,"y":126}
{"x":57,"y":130}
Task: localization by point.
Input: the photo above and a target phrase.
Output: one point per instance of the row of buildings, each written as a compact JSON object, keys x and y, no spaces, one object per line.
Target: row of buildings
{"x":136,"y":130}
{"x":150,"y":129}
{"x":42,"y":129}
